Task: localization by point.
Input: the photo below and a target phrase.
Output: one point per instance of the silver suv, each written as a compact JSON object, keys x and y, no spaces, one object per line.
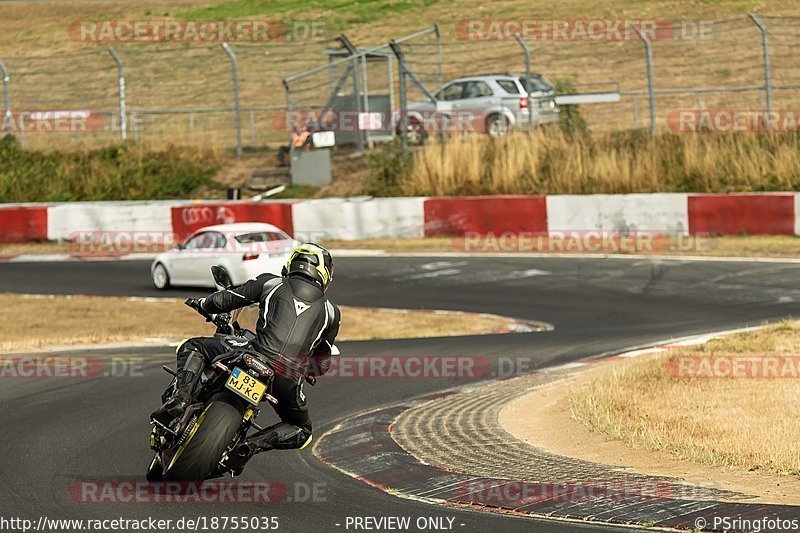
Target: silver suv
{"x":493,"y":103}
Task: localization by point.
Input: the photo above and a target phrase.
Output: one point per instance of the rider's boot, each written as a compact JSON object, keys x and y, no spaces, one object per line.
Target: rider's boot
{"x":281,"y":436}
{"x":186,"y":380}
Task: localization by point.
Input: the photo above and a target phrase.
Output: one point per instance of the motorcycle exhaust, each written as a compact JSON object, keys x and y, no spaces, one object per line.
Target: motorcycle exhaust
{"x":244,"y":450}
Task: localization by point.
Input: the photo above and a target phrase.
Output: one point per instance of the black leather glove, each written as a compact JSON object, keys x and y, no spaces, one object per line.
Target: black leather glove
{"x":197,"y":305}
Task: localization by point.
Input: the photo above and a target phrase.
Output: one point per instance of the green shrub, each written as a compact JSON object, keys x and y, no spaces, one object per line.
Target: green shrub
{"x":111,"y":173}
{"x":389,"y":166}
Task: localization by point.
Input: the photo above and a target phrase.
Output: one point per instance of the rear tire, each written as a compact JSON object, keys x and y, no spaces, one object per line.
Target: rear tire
{"x":197,"y":459}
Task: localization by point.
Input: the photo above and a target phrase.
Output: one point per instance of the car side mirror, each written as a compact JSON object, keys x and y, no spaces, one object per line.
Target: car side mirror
{"x":221,"y":277}
{"x":179,"y":246}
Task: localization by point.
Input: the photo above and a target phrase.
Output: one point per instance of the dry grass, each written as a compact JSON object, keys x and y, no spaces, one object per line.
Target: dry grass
{"x":550,"y":162}
{"x":746,"y":423}
{"x":33,"y":323}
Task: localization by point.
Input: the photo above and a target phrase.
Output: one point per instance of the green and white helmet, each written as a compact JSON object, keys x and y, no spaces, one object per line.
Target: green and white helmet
{"x":311,"y":261}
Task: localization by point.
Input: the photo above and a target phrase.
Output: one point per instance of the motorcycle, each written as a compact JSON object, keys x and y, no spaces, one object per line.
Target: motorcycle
{"x":210,"y":439}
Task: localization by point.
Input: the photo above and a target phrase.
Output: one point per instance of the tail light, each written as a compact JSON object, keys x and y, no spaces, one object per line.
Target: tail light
{"x":249,"y":256}
{"x":523,"y":103}
{"x":257,"y":365}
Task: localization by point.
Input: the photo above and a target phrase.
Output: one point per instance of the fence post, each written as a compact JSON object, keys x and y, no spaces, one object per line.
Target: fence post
{"x":767,"y":64}
{"x":403,"y":88}
{"x":288,"y":115}
{"x":527,"y":52}
{"x":6,"y":98}
{"x":636,"y":111}
{"x":650,"y":88}
{"x":439,"y":54}
{"x":235,"y":77}
{"x":123,"y":118}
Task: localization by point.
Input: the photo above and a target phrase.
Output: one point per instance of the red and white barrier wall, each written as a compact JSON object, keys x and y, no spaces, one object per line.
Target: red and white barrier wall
{"x":366,"y":218}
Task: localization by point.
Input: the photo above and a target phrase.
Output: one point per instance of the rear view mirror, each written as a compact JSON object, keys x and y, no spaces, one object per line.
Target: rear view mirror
{"x":221,"y":277}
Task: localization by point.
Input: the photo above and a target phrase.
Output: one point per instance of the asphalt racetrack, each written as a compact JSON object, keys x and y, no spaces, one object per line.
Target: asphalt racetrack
{"x":56,"y":432}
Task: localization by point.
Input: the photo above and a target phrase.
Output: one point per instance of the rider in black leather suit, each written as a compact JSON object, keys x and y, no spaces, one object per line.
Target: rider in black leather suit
{"x":297,"y":326}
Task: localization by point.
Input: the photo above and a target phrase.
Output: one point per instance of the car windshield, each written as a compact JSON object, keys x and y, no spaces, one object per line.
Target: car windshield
{"x":208,"y":239}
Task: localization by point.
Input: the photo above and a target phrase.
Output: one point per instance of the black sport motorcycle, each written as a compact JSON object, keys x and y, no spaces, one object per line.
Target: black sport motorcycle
{"x":209,"y":439}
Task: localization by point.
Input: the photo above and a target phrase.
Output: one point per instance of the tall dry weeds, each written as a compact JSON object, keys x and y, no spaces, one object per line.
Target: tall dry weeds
{"x":550,"y":162}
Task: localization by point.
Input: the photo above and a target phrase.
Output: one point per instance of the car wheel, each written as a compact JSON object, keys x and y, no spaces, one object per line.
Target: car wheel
{"x":497,"y":126}
{"x":160,"y":277}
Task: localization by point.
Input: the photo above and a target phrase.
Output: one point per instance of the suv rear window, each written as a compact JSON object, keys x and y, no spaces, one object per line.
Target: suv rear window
{"x":536,"y":83}
{"x":508,"y":86}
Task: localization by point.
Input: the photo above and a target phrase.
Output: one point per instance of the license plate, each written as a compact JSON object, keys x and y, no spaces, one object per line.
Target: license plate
{"x":246,"y":386}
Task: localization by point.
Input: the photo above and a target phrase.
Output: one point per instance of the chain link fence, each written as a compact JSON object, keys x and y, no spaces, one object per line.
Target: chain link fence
{"x":181,"y":96}
{"x":186,"y":95}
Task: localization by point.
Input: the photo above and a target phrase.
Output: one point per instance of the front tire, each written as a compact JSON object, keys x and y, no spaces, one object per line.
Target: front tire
{"x":497,"y":126}
{"x":161,"y":277}
{"x":199,"y":456}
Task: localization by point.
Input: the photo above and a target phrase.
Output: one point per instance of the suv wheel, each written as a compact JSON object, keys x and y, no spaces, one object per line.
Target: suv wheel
{"x":497,"y":126}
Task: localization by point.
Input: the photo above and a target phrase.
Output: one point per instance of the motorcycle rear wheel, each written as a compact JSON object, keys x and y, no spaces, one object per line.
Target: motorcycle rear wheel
{"x":198,"y":457}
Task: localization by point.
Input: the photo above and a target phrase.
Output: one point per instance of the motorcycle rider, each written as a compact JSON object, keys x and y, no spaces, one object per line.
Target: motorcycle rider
{"x":297,"y":326}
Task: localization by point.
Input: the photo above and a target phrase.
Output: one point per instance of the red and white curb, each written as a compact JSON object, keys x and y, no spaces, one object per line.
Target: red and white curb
{"x":415,"y":217}
{"x":361,"y":446}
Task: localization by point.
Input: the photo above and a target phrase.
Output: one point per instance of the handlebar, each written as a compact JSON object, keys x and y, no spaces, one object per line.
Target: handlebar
{"x":221,"y":320}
